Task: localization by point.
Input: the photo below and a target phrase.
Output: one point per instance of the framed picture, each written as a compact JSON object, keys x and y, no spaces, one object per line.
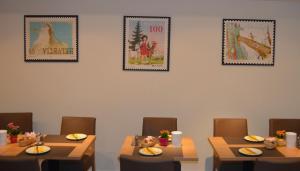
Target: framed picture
{"x":146,"y":43}
{"x":248,"y":42}
{"x":51,"y":38}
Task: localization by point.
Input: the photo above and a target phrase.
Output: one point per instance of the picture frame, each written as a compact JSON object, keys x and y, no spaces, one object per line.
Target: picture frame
{"x":51,"y":38}
{"x":248,"y":42}
{"x":146,"y":43}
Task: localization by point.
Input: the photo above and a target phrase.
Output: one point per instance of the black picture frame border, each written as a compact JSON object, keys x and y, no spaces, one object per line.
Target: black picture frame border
{"x":249,"y":20}
{"x":124,"y":43}
{"x":52,"y":16}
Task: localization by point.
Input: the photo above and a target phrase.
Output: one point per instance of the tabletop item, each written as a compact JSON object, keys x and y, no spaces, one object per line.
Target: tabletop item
{"x":270,"y":142}
{"x":149,"y":141}
{"x":136,"y":140}
{"x":254,"y":138}
{"x":291,"y":139}
{"x":150,"y":151}
{"x":27,"y":139}
{"x":250,"y":151}
{"x":3,"y":136}
{"x":164,"y":137}
{"x":176,"y":138}
{"x":187,"y":152}
{"x":76,"y":136}
{"x":38,"y":149}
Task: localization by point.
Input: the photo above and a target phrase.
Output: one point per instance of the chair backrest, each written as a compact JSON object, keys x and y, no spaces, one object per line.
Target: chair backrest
{"x":290,"y":125}
{"x":153,"y":125}
{"x":271,"y":164}
{"x":17,"y":164}
{"x":230,"y":127}
{"x":24,"y":120}
{"x":131,"y":163}
{"x":70,"y":124}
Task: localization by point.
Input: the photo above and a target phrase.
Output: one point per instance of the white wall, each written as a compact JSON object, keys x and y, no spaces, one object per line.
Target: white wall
{"x":197,"y":88}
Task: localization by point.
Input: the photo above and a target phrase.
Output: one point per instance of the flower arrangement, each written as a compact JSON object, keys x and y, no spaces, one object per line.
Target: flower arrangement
{"x":13,"y":129}
{"x":164,"y":134}
{"x":280,"y":134}
{"x":164,"y":137}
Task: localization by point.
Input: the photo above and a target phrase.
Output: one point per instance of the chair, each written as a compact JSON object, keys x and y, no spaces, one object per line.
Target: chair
{"x":69,"y":124}
{"x":24,"y":120}
{"x":153,"y":125}
{"x":282,"y":164}
{"x":86,"y":125}
{"x":229,"y":127}
{"x":65,"y":165}
{"x":292,"y":125}
{"x":16,"y":164}
{"x":131,"y":163}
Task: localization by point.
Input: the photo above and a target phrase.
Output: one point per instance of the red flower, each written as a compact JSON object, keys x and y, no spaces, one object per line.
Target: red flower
{"x":13,"y":129}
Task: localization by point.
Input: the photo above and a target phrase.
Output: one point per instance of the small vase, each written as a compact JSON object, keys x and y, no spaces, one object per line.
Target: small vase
{"x":163,"y":141}
{"x":13,"y":138}
{"x":281,"y":142}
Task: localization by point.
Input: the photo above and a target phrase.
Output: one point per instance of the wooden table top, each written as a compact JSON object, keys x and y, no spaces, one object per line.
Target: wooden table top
{"x":13,"y":150}
{"x":189,"y":152}
{"x":222,"y":149}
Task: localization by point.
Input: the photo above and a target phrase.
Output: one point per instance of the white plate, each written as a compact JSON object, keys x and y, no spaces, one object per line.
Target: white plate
{"x":76,"y":136}
{"x":38,"y":149}
{"x":254,"y":138}
{"x":150,"y":151}
{"x":250,"y":151}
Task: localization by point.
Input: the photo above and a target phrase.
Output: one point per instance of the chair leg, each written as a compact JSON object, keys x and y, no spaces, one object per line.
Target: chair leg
{"x":94,"y":166}
{"x":216,"y":163}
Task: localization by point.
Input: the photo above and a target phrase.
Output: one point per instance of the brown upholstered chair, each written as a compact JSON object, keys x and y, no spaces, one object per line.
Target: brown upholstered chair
{"x":271,"y":164}
{"x":229,"y":127}
{"x":65,"y":165}
{"x":131,"y":163}
{"x":153,"y":125}
{"x":16,"y":164}
{"x":292,"y":125}
{"x":24,"y":120}
{"x":69,"y":124}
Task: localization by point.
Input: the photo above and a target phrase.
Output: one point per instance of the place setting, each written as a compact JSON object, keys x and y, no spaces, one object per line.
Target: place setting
{"x":147,"y":148}
{"x":76,"y":136}
{"x":252,"y":151}
{"x":35,"y":142}
{"x":168,"y":142}
{"x":254,"y":138}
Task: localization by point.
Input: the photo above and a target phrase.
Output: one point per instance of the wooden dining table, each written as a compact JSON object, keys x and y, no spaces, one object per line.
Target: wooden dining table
{"x":61,"y":148}
{"x":226,"y":148}
{"x":187,"y":151}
